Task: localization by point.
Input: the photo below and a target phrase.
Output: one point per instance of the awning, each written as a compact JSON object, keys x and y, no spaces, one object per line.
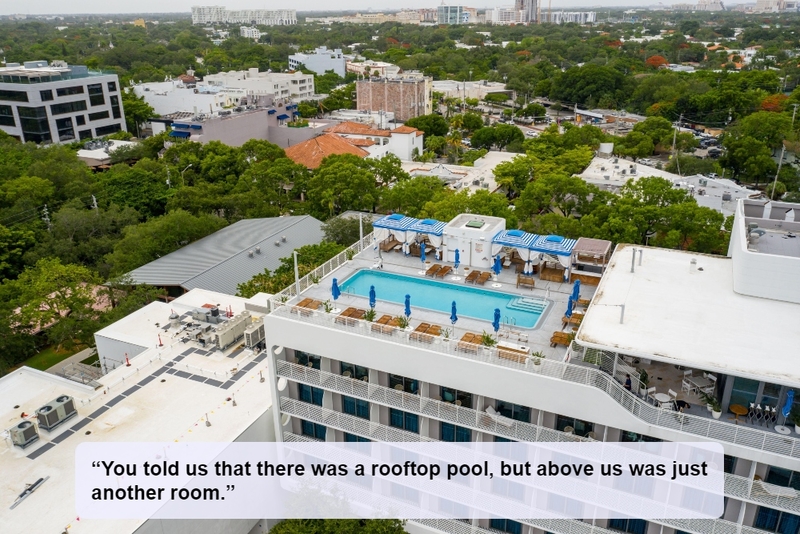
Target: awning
{"x":196,"y":126}
{"x":428,"y":226}
{"x":396,"y":225}
{"x":176,"y":125}
{"x":514,"y":238}
{"x":553,"y":244}
{"x":295,"y":113}
{"x":272,"y":111}
{"x":174,"y":133}
{"x":283,"y":116}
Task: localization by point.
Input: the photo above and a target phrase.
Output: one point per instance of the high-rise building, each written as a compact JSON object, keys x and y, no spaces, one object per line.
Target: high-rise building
{"x":58,"y":103}
{"x":260,"y":17}
{"x":670,"y":347}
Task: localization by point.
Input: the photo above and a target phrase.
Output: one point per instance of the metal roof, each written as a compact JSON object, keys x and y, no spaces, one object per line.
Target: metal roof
{"x":221,"y":261}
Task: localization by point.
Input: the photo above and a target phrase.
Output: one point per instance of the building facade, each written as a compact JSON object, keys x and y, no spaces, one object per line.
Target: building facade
{"x":282,"y":85}
{"x":58,"y":103}
{"x":320,"y":61}
{"x":260,"y":17}
{"x":406,"y":98}
{"x":367,"y":68}
{"x":340,"y":378}
{"x":452,"y":15}
{"x":249,"y":32}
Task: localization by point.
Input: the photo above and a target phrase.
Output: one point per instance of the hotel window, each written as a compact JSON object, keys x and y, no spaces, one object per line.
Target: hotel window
{"x":409,"y":385}
{"x":46,"y":95}
{"x":67,"y":91}
{"x":784,"y":477}
{"x":14,"y":96}
{"x":80,"y":120}
{"x":631,"y":526}
{"x":97,"y":116}
{"x":514,"y":411}
{"x":406,"y":421}
{"x":7,"y":116}
{"x":730,"y":464}
{"x":85,"y":134}
{"x":309,"y":360}
{"x":581,"y":428}
{"x":775,"y":521}
{"x":356,"y":371}
{"x":34,"y":123}
{"x":115,"y":110}
{"x":65,"y":130}
{"x":68,"y":107}
{"x":309,"y":394}
{"x":96,"y":97}
{"x":633,"y":437}
{"x":357,"y":407}
{"x":451,"y":432}
{"x":112,"y":86}
{"x":314,"y":430}
{"x":461,"y":398}
{"x":506,"y":525}
{"x":108,"y":130}
{"x":352,"y":438}
{"x":744,"y":391}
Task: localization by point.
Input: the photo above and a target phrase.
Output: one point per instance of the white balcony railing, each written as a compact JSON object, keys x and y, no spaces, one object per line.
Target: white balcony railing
{"x":712,"y":429}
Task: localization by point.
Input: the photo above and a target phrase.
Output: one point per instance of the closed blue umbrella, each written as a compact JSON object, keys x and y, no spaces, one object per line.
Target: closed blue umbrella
{"x":576,"y":290}
{"x":372,"y":296}
{"x":568,"y":314}
{"x":498,"y":265}
{"x":422,"y":252}
{"x":453,"y":316}
{"x":496,"y":322}
{"x":458,"y":259}
{"x":335,"y":291}
{"x":787,"y":408}
{"x":408,"y":305}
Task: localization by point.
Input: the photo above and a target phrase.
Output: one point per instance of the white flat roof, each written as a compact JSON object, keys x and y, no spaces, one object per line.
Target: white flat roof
{"x":692,"y":318}
{"x":163,"y":397}
{"x":599,"y":168}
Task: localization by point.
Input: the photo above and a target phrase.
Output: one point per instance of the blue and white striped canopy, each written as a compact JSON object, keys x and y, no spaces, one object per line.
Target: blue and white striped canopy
{"x":428,"y":226}
{"x":395,"y":222}
{"x":553,"y":244}
{"x":515,"y":238}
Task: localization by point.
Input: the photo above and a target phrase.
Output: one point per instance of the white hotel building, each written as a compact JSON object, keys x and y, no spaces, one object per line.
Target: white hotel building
{"x":726,"y":325}
{"x":57,"y":103}
{"x":258,"y":17}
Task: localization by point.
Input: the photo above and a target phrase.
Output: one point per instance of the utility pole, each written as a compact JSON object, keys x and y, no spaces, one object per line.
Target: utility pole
{"x":794,"y":113}
{"x":674,"y":138}
{"x":46,"y":217}
{"x":783,"y":151}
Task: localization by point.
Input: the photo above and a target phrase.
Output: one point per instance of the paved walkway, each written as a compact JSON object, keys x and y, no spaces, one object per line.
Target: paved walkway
{"x":57,"y":369}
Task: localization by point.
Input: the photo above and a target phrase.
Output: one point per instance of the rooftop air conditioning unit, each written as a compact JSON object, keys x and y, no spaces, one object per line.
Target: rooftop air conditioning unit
{"x":476,"y":182}
{"x":726,"y":197}
{"x":56,"y":412}
{"x":23,"y":434}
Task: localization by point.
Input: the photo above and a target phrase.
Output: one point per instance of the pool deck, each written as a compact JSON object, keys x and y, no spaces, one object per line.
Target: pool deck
{"x":537,"y":338}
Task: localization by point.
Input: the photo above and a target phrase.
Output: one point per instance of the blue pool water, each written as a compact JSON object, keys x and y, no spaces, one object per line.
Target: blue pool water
{"x":471,"y":301}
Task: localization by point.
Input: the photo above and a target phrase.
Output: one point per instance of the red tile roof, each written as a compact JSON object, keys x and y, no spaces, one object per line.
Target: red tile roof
{"x":311,"y":153}
{"x":407,"y":130}
{"x":357,"y":128}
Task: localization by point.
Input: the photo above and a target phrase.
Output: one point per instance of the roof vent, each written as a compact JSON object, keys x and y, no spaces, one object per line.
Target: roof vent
{"x":258,"y":250}
{"x":277,"y":243}
{"x":250,"y":253}
{"x":283,"y":238}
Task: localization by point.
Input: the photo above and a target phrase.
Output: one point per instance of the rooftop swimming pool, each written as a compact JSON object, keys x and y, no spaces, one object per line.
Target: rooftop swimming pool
{"x":471,"y":301}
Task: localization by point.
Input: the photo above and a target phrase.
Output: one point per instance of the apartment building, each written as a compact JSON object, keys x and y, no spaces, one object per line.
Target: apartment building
{"x":405,"y":97}
{"x":294,"y":85}
{"x":456,"y":15}
{"x":367,"y":68}
{"x":259,"y":17}
{"x":250,"y":32}
{"x":320,"y":60}
{"x":58,"y":103}
{"x":555,"y":371}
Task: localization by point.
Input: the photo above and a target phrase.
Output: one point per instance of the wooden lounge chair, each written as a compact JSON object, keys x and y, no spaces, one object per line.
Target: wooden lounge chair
{"x":302,"y":304}
{"x":471,"y":277}
{"x":419,"y":332}
{"x":389,"y":245}
{"x":516,"y":355}
{"x":483,"y":278}
{"x":574,"y":320}
{"x":309,"y":308}
{"x":433,"y":269}
{"x":584,"y":302}
{"x":526,"y":281}
{"x":342,"y":317}
{"x":435,"y":330}
{"x":560,"y":338}
{"x":444,"y":271}
{"x":469,"y":343}
{"x":379,"y":324}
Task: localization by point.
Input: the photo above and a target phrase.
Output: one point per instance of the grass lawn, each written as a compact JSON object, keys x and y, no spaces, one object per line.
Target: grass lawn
{"x":46,"y":359}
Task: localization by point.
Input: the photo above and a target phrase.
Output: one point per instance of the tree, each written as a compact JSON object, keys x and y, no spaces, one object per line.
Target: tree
{"x":432,"y":124}
{"x":341,"y":183}
{"x":339,"y":526}
{"x":136,"y":110}
{"x":748,"y":158}
{"x":346,"y":230}
{"x":658,"y":129}
{"x":505,"y":134}
{"x":768,"y":127}
{"x":514,"y":175}
{"x":472,"y":121}
{"x":635,"y":145}
{"x":388,"y":169}
{"x":60,"y":298}
{"x":408,"y":196}
{"x":13,"y":245}
{"x":484,"y":138}
{"x":435,"y":143}
{"x":31,"y":188}
{"x":656,"y":61}
{"x":159,"y":236}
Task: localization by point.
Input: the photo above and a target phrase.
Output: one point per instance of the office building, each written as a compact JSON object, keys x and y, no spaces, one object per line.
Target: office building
{"x":294,"y":85}
{"x":456,"y":15}
{"x":723,"y":326}
{"x":406,"y":98}
{"x":321,"y":60}
{"x":256,"y":17}
{"x":58,"y":103}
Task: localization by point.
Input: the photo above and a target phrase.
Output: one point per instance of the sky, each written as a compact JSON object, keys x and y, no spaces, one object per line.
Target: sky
{"x":51,"y":7}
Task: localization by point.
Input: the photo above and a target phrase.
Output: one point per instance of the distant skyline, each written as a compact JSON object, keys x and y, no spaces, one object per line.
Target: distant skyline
{"x":72,"y":7}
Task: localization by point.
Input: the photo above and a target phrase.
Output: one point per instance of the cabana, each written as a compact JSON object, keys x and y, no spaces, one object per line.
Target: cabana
{"x":431,"y":228}
{"x":556,"y":253}
{"x":521,"y":242}
{"x":590,"y":258}
{"x":393,"y":226}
